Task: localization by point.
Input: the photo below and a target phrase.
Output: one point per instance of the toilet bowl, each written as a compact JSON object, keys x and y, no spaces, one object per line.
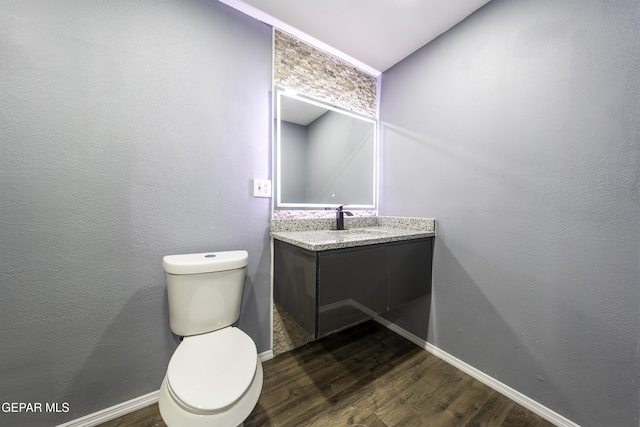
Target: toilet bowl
{"x":206,"y":386}
{"x":214,"y":377}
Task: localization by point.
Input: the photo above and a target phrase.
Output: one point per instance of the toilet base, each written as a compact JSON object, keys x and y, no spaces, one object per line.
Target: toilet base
{"x":174,"y":415}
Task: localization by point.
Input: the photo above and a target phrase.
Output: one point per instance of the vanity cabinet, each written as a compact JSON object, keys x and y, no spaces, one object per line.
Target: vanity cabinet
{"x":325,"y":291}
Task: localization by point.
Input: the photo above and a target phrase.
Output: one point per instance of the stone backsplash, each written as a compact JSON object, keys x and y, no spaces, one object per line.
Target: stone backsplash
{"x":320,"y":75}
{"x":311,"y":214}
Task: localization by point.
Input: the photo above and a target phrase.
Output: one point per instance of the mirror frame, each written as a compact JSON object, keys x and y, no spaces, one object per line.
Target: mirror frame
{"x":278,"y":149}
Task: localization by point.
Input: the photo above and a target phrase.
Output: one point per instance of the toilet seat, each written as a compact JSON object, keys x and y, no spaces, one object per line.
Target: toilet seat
{"x":209,"y":373}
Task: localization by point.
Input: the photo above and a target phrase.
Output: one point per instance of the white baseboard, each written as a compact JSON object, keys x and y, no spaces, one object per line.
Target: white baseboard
{"x":114,"y":412}
{"x":505,"y":390}
{"x":130,"y":406}
{"x":266,"y":355}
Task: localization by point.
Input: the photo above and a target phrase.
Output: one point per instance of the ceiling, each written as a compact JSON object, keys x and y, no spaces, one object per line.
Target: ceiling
{"x":300,"y":113}
{"x":370,"y":34}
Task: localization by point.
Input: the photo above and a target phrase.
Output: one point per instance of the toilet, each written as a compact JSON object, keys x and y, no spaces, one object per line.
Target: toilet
{"x":214,"y":377}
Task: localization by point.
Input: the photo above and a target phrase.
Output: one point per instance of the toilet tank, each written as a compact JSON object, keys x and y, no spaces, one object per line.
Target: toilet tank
{"x":204,"y":290}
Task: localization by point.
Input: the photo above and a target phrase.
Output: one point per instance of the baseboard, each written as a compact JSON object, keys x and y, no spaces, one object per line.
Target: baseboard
{"x":114,"y":412}
{"x":505,"y":390}
{"x":130,"y":406}
{"x":266,"y":355}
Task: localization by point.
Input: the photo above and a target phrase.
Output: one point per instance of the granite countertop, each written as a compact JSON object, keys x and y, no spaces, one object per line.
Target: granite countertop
{"x":387,"y":230}
{"x":321,"y":240}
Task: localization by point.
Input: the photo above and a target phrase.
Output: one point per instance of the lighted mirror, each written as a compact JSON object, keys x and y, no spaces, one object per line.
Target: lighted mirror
{"x":325,"y":156}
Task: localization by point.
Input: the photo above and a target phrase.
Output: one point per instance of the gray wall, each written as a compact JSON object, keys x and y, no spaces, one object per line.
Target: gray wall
{"x":339,"y":160}
{"x":293,"y":154}
{"x":518,"y":130}
{"x":328,"y":161}
{"x":128,"y":131}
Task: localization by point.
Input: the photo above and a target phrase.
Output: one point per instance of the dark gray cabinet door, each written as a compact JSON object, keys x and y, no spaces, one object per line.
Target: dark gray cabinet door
{"x":294,"y":275}
{"x":409,"y":272}
{"x":352,"y":286}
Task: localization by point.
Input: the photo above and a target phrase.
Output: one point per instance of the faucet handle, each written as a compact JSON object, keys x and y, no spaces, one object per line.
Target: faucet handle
{"x":340,"y":211}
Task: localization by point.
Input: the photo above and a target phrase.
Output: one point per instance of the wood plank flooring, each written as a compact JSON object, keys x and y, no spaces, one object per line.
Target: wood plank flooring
{"x":367,"y":376}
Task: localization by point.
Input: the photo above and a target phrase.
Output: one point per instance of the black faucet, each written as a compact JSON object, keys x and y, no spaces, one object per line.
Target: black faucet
{"x":340,"y":217}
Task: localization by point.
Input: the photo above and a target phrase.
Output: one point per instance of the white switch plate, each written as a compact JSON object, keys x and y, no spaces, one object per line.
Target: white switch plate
{"x":261,"y":187}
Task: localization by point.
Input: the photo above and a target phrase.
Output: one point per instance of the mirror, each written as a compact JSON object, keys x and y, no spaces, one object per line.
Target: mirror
{"x":325,"y":156}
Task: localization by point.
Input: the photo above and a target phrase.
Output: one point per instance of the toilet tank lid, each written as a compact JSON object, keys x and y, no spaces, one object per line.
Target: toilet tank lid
{"x":205,"y":262}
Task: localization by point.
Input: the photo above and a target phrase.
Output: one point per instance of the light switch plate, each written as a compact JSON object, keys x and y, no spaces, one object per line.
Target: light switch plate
{"x":261,"y":187}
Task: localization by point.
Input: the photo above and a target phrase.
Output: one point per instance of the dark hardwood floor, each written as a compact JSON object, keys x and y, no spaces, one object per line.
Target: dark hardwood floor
{"x":367,"y":376}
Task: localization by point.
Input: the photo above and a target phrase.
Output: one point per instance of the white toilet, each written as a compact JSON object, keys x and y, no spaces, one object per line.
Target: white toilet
{"x":214,"y":377}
